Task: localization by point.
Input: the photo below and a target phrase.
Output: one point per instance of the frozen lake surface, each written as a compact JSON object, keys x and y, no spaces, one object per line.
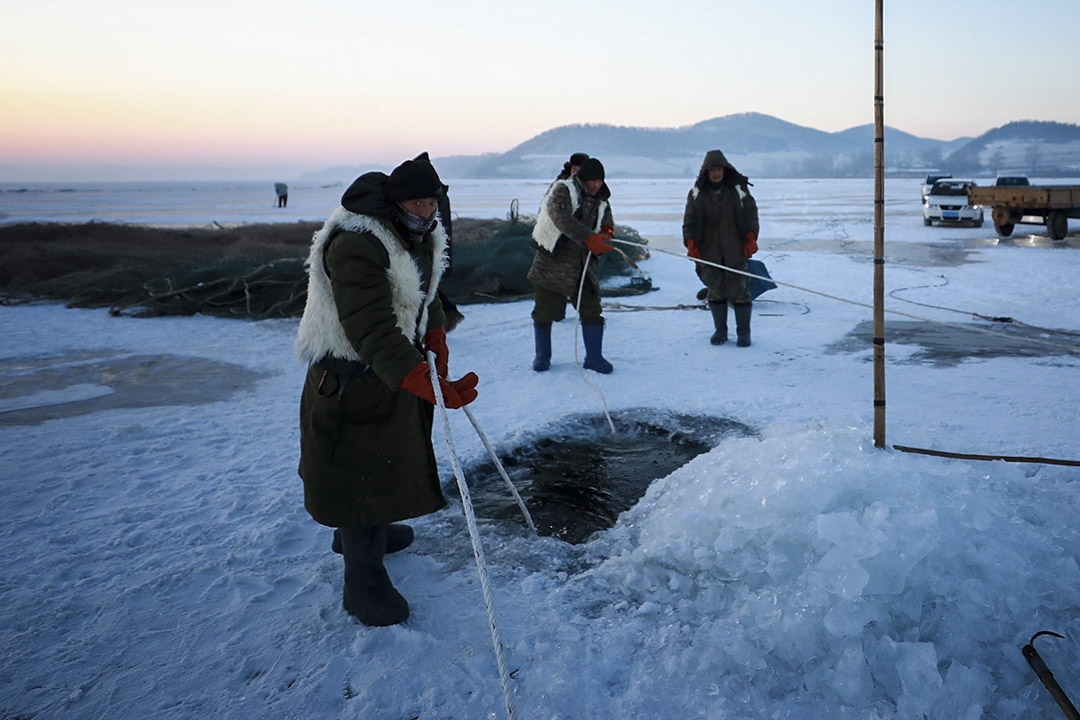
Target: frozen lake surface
{"x":156,"y":560}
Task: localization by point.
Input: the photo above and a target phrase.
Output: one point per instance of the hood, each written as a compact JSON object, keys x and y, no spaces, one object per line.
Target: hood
{"x":715,"y":158}
{"x":367,"y":196}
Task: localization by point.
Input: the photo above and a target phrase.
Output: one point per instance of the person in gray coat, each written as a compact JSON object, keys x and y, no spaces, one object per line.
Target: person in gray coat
{"x":720,"y":224}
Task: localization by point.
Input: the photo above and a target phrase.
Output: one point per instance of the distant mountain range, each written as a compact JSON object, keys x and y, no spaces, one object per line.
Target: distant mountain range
{"x":765,"y":146}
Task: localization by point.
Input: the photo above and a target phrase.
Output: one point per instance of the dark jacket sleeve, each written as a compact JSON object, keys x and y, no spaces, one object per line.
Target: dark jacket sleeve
{"x":436,"y":315}
{"x":688,"y":220}
{"x":749,"y":213}
{"x":363,"y":297}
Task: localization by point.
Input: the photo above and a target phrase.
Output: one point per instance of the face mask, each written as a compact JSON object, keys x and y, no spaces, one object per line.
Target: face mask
{"x":414,"y":223}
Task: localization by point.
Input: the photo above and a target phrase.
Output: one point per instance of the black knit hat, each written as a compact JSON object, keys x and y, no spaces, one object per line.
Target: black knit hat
{"x":591,"y":169}
{"x":578,"y":158}
{"x":413,"y":179}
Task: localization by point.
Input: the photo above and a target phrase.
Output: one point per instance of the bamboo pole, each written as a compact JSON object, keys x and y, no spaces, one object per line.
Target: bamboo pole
{"x":879,"y":234}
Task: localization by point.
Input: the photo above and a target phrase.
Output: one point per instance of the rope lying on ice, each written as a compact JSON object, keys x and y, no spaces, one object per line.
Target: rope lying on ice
{"x":577,"y":326}
{"x":478,"y":551}
{"x":985,"y":331}
{"x":965,"y":456}
{"x":1012,"y":321}
{"x":975,"y":456}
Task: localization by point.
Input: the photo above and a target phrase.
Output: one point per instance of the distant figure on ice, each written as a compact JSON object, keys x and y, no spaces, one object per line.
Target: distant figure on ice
{"x":366,"y":410}
{"x":574,"y":221}
{"x":720,"y":225}
{"x":282,"y":191}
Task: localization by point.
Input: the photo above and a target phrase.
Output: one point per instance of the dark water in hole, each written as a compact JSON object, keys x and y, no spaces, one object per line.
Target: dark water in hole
{"x":576,"y":476}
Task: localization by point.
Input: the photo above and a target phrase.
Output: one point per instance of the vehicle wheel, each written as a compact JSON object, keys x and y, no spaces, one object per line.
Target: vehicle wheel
{"x":1004,"y":230}
{"x":927,"y":222}
{"x":1058,"y":225}
{"x":977,"y":223}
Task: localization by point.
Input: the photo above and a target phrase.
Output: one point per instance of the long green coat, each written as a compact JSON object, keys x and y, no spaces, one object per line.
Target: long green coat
{"x":366,"y":455}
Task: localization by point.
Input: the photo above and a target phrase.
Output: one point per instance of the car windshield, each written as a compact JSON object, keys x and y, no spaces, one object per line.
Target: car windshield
{"x":943,"y":188}
{"x":1012,"y":181}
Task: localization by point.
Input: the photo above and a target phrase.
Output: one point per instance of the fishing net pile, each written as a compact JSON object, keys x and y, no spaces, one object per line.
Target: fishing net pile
{"x":249,"y":271}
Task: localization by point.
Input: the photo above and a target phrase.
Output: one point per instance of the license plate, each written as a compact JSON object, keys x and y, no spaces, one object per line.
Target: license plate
{"x":950,"y":215}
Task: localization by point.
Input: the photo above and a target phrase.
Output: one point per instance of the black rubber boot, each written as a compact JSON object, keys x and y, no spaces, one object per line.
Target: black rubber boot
{"x":719,"y":316}
{"x":542,"y":335}
{"x":398,"y":537}
{"x":742,"y":325}
{"x":369,"y":596}
{"x":594,"y":346}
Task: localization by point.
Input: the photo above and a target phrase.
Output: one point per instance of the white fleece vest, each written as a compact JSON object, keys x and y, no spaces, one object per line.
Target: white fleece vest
{"x":544,"y":232}
{"x":320,"y":330}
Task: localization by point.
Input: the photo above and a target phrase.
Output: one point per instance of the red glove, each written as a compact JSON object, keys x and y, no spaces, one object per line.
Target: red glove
{"x":597,"y":244}
{"x":456,"y":393}
{"x":608,"y":230}
{"x":691,"y":249}
{"x":751,"y":244}
{"x":435,"y":341}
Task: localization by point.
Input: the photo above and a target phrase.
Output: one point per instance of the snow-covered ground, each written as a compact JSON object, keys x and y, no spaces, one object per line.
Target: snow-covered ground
{"x":157,"y":561}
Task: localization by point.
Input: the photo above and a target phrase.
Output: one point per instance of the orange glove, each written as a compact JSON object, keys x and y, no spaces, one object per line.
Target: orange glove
{"x":456,"y":393}
{"x":691,"y":249}
{"x":608,"y":230}
{"x":597,"y":244}
{"x":435,"y":341}
{"x":751,"y":244}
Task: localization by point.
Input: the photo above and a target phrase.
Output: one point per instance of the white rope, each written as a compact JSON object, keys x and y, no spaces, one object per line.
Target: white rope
{"x":577,"y":326}
{"x":478,"y":551}
{"x":502,"y":471}
{"x":958,"y":326}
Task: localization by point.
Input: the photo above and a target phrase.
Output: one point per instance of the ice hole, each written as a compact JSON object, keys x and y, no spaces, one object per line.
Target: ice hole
{"x":576,"y":476}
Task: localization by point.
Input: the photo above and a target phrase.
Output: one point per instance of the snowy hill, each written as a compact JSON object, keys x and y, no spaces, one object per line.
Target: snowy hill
{"x":765,"y":146}
{"x":758,"y":144}
{"x":1031,"y":147}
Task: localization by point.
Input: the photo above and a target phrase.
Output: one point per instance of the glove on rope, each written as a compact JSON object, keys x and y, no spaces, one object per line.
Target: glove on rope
{"x":456,"y":393}
{"x":608,"y":230}
{"x":751,"y":244}
{"x":597,"y":244}
{"x":435,"y":341}
{"x":691,"y":249}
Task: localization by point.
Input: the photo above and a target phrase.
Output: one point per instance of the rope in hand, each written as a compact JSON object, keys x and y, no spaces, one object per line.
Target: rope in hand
{"x":502,"y":470}
{"x":971,"y":328}
{"x":478,"y":551}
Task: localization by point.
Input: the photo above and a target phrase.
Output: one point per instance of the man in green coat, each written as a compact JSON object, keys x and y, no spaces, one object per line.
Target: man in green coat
{"x":366,"y":410}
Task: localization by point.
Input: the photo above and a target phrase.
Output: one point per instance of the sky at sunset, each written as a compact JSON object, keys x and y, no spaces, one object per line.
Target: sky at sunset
{"x":243,"y":84}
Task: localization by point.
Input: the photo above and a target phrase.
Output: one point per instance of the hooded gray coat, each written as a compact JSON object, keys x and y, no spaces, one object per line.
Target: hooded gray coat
{"x":718,"y":220}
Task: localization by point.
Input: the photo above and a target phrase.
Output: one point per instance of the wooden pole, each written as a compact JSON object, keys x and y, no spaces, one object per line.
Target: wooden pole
{"x":879,"y":234}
